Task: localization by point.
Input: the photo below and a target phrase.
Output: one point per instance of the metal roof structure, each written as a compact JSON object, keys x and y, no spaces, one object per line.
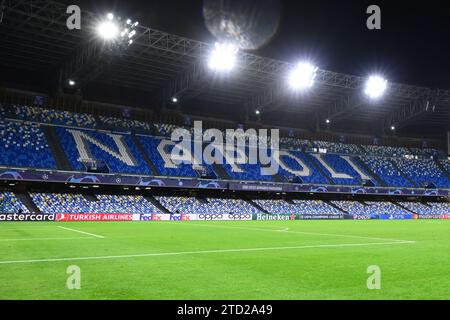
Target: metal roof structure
{"x":35,"y":37}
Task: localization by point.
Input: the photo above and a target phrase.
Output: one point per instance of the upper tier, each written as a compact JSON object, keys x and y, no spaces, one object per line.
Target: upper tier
{"x":64,"y":140}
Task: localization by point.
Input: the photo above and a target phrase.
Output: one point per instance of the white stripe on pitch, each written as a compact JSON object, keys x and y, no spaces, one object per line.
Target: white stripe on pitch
{"x":299,"y":232}
{"x":79,"y":231}
{"x":206,"y":252}
{"x":41,"y":239}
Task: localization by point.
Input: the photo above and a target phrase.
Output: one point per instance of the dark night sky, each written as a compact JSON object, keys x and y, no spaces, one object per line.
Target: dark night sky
{"x":412,"y":47}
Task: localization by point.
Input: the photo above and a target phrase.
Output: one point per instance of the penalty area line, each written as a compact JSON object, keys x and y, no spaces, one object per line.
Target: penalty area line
{"x":82,"y":232}
{"x":161,"y":254}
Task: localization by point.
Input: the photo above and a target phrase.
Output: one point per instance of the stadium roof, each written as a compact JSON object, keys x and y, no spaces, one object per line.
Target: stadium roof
{"x":35,"y":38}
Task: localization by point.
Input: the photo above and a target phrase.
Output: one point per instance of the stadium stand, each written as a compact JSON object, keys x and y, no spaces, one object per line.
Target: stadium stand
{"x":385,"y":207}
{"x":299,"y":166}
{"x":354,"y":208}
{"x":315,"y":207}
{"x":344,"y":172}
{"x":295,"y":144}
{"x":137,"y":204}
{"x":9,"y":203}
{"x":66,"y":118}
{"x":427,"y":152}
{"x":277,"y":206}
{"x":423,"y":171}
{"x":165,"y":130}
{"x":77,"y":203}
{"x":338,"y":148}
{"x":126,"y":123}
{"x":446,"y":165}
{"x":116,"y":150}
{"x":385,"y":151}
{"x":427,"y":208}
{"x":191,"y":205}
{"x":24,"y":145}
{"x":384,"y":168}
{"x":163,"y":161}
{"x":297,"y":207}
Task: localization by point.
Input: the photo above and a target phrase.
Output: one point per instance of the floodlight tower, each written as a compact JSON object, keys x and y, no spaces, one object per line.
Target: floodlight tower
{"x":117,"y":34}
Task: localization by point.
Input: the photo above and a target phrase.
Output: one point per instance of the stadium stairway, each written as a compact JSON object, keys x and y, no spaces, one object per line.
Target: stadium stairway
{"x":319,"y":168}
{"x":331,"y":204}
{"x":404,"y":175}
{"x":257,"y":206}
{"x":157,"y":204}
{"x":62,"y":162}
{"x":441,"y":167}
{"x":403,"y":207}
{"x":90,"y":197}
{"x":25,"y":198}
{"x":142,"y":151}
{"x":368,"y":171}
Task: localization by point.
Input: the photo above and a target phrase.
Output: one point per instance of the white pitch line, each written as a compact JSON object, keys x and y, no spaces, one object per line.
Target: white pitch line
{"x":206,"y":252}
{"x":299,"y":232}
{"x":41,"y":239}
{"x":79,"y":231}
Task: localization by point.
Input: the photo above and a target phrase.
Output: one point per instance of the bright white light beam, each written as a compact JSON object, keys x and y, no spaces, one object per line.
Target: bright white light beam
{"x":223,"y":57}
{"x":302,"y":76}
{"x":375,"y":87}
{"x":108,"y":30}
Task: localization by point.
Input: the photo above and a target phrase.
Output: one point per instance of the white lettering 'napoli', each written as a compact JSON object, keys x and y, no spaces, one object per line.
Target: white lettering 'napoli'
{"x":83,"y":149}
{"x":304,"y":172}
{"x":333,"y":173}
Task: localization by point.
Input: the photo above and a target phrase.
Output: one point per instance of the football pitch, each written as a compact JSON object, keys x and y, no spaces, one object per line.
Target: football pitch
{"x":236,"y":260}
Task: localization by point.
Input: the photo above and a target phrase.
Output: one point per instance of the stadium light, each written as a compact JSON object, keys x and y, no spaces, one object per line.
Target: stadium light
{"x":375,"y":87}
{"x":302,"y":76}
{"x":108,"y":30}
{"x":223,"y":57}
{"x":116,"y":31}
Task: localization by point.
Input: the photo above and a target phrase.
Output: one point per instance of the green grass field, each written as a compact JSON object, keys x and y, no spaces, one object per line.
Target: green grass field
{"x":226,"y":260}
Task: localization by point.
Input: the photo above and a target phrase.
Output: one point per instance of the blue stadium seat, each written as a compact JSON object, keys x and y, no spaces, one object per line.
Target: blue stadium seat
{"x":162,"y":160}
{"x":423,"y":171}
{"x":24,"y":145}
{"x":384,"y":168}
{"x":58,"y":117}
{"x":76,"y":203}
{"x":10,"y":204}
{"x":191,"y":205}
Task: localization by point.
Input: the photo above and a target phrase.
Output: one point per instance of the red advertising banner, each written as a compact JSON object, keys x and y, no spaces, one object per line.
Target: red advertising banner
{"x":94,"y":217}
